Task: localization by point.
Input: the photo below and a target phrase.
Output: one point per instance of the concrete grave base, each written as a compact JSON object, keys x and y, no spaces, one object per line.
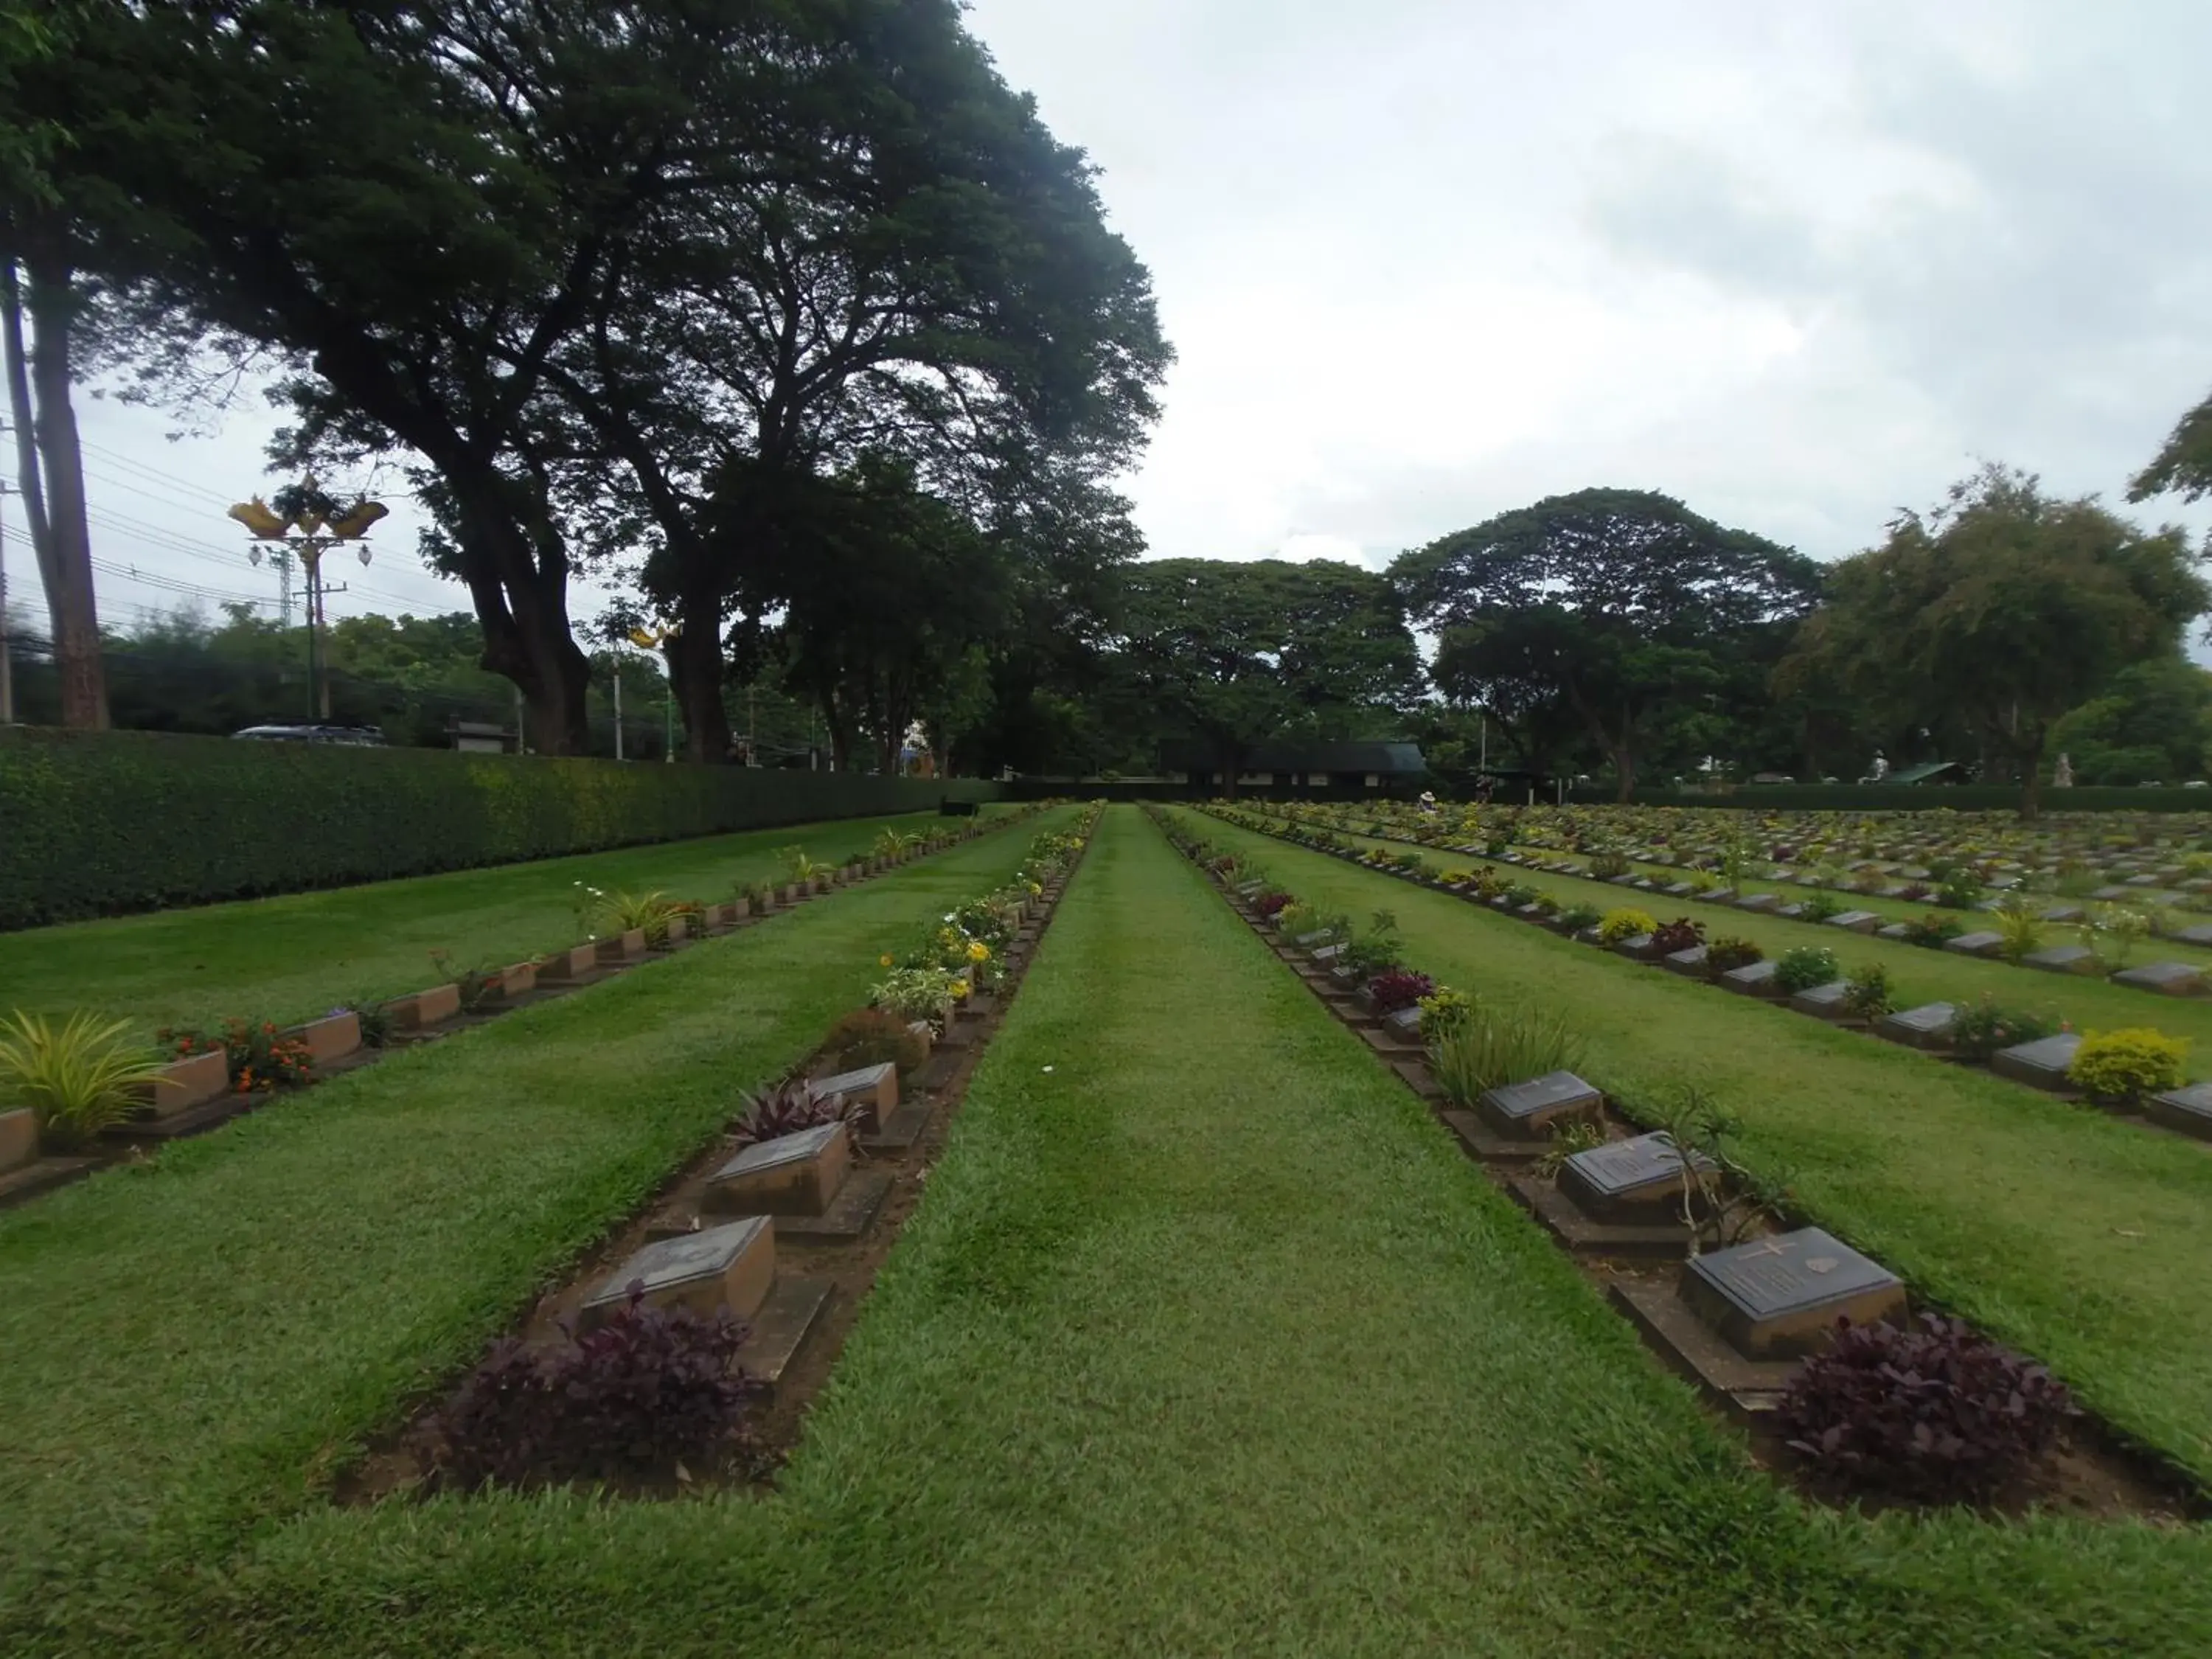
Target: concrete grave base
{"x":1747,"y":1389}
{"x":1489,"y":1147}
{"x":849,"y":1216}
{"x":1586,"y":1235}
{"x":780,"y":1326}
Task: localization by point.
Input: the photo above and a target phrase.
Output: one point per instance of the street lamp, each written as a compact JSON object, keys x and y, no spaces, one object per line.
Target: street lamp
{"x":307,"y":522}
{"x":653,"y":641}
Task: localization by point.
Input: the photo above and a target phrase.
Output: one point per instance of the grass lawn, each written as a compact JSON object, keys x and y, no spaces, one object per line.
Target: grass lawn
{"x":2077,"y":1236}
{"x":291,"y":957}
{"x":1919,"y":974}
{"x":191,"y":1344}
{"x":1204,"y":1340}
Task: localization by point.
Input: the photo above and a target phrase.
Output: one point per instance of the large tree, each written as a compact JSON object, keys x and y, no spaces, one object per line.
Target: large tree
{"x":41,"y":301}
{"x":1621,"y":606}
{"x":2004,"y":605}
{"x":1239,"y":653}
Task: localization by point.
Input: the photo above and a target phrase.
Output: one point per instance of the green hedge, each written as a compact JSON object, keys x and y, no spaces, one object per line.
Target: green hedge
{"x":95,"y":824}
{"x":1909,"y":798}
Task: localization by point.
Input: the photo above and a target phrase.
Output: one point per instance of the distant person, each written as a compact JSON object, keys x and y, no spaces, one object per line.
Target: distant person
{"x":1428,"y":803}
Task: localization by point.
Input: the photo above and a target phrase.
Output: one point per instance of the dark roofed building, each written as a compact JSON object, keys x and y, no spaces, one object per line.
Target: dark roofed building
{"x":1348,"y":769}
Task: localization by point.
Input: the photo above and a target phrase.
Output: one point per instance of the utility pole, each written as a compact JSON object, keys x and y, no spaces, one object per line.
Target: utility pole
{"x":7,"y":662}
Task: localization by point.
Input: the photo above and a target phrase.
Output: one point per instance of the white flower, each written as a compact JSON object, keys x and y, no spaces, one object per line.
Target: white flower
{"x":1047,"y":1068}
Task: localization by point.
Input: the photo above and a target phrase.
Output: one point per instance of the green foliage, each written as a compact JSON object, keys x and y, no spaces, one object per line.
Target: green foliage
{"x":1625,"y":923}
{"x":1805,"y":967}
{"x":98,"y":822}
{"x":1867,"y":993}
{"x":913,"y":993}
{"x":2126,"y":1065}
{"x":79,"y":1076}
{"x":1577,"y":917}
{"x":1492,"y":1046}
{"x":2114,"y":932}
{"x":1443,"y":1011}
{"x":1931,"y":931}
{"x":1985,"y":1026}
{"x":1729,"y":952}
{"x":1376,"y":947}
{"x":1821,"y":906}
{"x":2021,"y":922}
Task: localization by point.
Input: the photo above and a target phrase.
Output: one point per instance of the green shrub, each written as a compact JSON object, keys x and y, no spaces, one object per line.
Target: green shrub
{"x":1442,"y":1010}
{"x":78,"y":1077}
{"x":1625,"y":924}
{"x":2127,"y":1064}
{"x":99,"y":822}
{"x":1607,"y":866}
{"x":1822,"y":906}
{"x":2022,"y":926}
{"x":1931,"y":932}
{"x":1985,"y":1027}
{"x":869,"y":1037}
{"x":1725,"y":956}
{"x":1803,"y":969}
{"x":1575,"y":917}
{"x":1867,"y":995}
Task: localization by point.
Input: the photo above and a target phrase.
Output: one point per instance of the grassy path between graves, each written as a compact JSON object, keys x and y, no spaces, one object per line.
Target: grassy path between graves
{"x":1919,"y":974}
{"x":188,"y":1346}
{"x":2078,"y":1237}
{"x":292,"y":958}
{"x":1205,"y":1339}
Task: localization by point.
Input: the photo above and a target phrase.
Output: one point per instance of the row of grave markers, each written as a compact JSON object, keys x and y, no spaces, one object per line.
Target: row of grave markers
{"x":1735,"y":1319}
{"x":2041,"y":1064}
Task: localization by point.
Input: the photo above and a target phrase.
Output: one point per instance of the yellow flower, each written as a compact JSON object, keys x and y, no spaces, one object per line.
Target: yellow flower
{"x":979,"y":951}
{"x":883,"y":961}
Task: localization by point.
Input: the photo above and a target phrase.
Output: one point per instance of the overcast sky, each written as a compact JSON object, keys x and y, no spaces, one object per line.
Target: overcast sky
{"x":1426,"y":260}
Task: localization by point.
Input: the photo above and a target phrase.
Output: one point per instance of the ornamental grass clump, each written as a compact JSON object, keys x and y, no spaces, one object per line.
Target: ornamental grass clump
{"x":2019,"y":924}
{"x":1938,"y":1415}
{"x":78,"y":1077}
{"x":1490,"y":1047}
{"x":1803,"y":969}
{"x":2123,"y":1066}
{"x":648,"y":1391}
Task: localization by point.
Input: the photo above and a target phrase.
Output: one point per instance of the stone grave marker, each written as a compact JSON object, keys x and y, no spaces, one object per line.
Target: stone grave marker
{"x":1691,"y":962}
{"x":1782,"y":1294}
{"x":876,"y":1085}
{"x":2201,"y":933}
{"x":792,"y":1175}
{"x":2106,"y":895}
{"x":1404,"y":1023}
{"x":1898,"y":930}
{"x":1719,"y":895}
{"x":1628,"y":1180}
{"x":2187,"y":1110}
{"x":1928,"y":1026}
{"x":730,"y":1265}
{"x":2041,"y":1064}
{"x":1823,"y":1001}
{"x":1756,"y":980}
{"x":1856,"y":921}
{"x":1792,"y":912}
{"x":1759,"y":903}
{"x":1637,"y":948}
{"x":1682,"y":890}
{"x":2061,"y":959}
{"x":1982,"y":943}
{"x":2060,"y":915}
{"x":2168,"y":979}
{"x":1528,"y":1111}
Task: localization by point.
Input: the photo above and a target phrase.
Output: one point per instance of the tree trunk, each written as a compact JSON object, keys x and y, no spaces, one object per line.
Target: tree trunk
{"x":64,"y":552}
{"x":2031,"y":776}
{"x":695,"y":664}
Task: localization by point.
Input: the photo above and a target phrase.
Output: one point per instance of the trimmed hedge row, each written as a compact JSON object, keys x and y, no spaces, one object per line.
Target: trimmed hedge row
{"x":96,"y":823}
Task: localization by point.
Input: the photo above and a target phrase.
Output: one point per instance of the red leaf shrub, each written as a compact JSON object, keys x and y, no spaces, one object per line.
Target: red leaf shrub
{"x":1938,"y":1414}
{"x":1680,"y":934}
{"x":645,"y":1390}
{"x":1398,"y":988}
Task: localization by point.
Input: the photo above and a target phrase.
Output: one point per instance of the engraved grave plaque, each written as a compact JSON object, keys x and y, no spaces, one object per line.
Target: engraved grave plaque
{"x":1779,"y":1295}
{"x":1526,"y":1111}
{"x":730,"y":1265}
{"x":2041,"y":1064}
{"x":1928,"y":1026}
{"x":1628,"y":1180}
{"x":2168,"y":979}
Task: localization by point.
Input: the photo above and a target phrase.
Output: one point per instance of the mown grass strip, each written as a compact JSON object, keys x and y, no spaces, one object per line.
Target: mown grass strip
{"x":2075,"y":1235}
{"x":192,"y":1344}
{"x":1919,"y":974}
{"x":293,"y":957}
{"x":1205,"y":1339}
